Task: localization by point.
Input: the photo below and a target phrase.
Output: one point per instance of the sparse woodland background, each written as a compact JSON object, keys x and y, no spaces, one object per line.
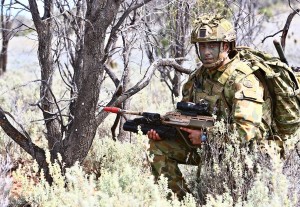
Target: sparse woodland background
{"x":61,"y":61}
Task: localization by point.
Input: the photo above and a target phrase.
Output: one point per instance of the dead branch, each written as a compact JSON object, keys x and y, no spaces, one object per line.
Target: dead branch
{"x":24,"y":141}
{"x":20,"y":138}
{"x":112,"y":75}
{"x":287,"y":26}
{"x":113,"y":35}
{"x":271,"y":35}
{"x":116,"y":101}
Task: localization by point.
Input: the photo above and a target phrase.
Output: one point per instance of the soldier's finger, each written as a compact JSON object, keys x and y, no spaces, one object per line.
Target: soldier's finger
{"x":151,"y":134}
{"x":191,"y":137}
{"x":186,"y":129}
{"x":157,"y":136}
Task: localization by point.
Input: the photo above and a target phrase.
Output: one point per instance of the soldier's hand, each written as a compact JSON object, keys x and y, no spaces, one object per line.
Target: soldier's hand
{"x":194,"y":135}
{"x":152,"y":134}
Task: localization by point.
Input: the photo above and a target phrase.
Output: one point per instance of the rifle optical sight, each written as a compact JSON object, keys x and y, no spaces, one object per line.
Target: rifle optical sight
{"x":189,"y":108}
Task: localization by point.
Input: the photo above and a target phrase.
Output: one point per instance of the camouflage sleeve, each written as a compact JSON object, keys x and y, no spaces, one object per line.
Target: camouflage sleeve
{"x":247,"y":107}
{"x":188,"y":88}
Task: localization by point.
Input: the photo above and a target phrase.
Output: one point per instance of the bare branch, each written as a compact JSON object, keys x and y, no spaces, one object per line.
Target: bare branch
{"x":35,"y":12}
{"x":287,"y":26}
{"x":290,"y":5}
{"x":23,"y":5}
{"x":112,"y":76}
{"x":271,"y":36}
{"x":144,"y":82}
{"x":112,"y":36}
{"x":23,"y":140}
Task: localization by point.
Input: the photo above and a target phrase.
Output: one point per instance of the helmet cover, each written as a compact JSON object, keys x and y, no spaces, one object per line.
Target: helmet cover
{"x":210,"y":28}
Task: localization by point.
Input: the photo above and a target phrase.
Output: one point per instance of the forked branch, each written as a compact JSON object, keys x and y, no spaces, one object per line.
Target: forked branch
{"x":116,"y":101}
{"x":285,"y":28}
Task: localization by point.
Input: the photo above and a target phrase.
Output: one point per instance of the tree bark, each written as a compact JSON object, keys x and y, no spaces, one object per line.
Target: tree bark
{"x":24,"y":141}
{"x":6,"y":25}
{"x":3,"y":56}
{"x":99,"y":16}
{"x":45,"y":35}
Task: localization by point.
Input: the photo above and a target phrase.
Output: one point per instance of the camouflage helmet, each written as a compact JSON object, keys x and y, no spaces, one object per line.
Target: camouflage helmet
{"x":212,"y":29}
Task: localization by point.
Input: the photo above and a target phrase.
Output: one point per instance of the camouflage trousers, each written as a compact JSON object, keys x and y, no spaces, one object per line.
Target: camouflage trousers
{"x":168,"y":153}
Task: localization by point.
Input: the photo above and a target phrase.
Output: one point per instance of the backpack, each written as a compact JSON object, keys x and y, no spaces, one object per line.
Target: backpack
{"x":283,"y":86}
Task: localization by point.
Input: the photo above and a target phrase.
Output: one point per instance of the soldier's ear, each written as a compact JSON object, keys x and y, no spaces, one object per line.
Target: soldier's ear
{"x":226,"y":47}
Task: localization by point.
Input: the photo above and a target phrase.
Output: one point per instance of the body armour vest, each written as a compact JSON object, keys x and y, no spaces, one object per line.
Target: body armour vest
{"x":233,"y":97}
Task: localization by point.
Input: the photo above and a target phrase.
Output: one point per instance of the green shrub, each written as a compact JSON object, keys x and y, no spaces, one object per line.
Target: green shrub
{"x":232,"y":173}
{"x":125,"y":180}
{"x":235,"y":173}
{"x":5,"y":180}
{"x":118,"y":174}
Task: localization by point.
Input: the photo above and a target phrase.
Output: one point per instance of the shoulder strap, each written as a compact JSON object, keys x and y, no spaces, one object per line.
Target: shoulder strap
{"x":244,"y":68}
{"x":226,"y":75}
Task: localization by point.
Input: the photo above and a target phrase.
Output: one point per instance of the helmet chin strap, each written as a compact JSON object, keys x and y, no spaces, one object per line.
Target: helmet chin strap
{"x":219,"y":61}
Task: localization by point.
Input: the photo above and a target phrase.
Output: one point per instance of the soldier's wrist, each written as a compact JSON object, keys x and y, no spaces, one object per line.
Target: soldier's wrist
{"x":203,"y":136}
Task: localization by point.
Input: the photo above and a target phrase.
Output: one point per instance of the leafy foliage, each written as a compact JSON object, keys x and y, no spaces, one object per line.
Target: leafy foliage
{"x":118,"y":174}
{"x":5,"y":180}
{"x":235,"y":173}
{"x":125,"y":180}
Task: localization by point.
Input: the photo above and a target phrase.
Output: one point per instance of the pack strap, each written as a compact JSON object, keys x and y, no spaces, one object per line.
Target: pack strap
{"x":289,"y":94}
{"x":268,"y":73}
{"x":225,"y":75}
{"x":271,"y":74}
{"x":268,"y":94}
{"x":246,"y":70}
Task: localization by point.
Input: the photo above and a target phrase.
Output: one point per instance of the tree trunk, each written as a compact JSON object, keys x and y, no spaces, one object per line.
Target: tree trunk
{"x":181,"y":26}
{"x":48,"y":103}
{"x":6,"y":25}
{"x":3,"y":55}
{"x":98,"y":17}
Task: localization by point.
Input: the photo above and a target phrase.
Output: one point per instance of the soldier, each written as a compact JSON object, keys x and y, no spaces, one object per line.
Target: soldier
{"x":232,"y":96}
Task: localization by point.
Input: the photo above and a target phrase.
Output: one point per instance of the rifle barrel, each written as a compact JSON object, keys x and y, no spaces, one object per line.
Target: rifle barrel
{"x":117,"y":110}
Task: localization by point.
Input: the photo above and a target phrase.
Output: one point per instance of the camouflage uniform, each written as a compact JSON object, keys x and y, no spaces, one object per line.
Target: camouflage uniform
{"x":231,"y":95}
{"x":234,"y":94}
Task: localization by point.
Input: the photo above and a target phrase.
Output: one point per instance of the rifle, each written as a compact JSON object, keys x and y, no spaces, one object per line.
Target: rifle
{"x":190,"y":115}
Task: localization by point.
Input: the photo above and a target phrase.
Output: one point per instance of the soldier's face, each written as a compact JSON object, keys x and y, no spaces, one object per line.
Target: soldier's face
{"x":209,"y":51}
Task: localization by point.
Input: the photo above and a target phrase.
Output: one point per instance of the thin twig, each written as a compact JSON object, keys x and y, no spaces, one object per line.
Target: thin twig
{"x":271,"y":35}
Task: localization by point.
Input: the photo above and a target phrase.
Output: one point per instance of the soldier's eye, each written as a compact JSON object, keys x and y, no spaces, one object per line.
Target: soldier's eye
{"x":201,"y":46}
{"x":213,"y":45}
